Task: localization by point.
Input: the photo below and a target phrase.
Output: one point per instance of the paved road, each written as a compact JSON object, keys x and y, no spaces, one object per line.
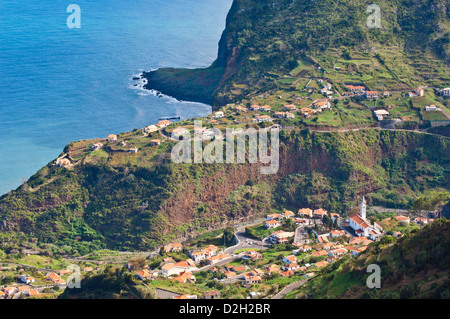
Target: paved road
{"x":289,"y":288}
{"x":300,"y":237}
{"x":244,"y":241}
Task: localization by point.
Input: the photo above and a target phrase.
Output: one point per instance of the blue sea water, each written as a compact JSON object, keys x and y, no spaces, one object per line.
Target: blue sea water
{"x":59,"y":85}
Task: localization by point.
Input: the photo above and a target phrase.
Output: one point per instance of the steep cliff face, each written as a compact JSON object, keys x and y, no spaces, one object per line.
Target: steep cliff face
{"x":268,"y":37}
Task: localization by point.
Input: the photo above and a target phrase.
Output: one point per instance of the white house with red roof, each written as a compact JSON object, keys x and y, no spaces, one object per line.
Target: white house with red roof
{"x":361,"y":225}
{"x":272,"y":224}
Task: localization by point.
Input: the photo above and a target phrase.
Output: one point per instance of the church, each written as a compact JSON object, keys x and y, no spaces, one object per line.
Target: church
{"x":362,"y":227}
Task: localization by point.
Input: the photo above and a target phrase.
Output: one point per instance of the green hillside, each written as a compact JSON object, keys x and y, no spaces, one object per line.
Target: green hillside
{"x":266,"y":40}
{"x":139,"y":201}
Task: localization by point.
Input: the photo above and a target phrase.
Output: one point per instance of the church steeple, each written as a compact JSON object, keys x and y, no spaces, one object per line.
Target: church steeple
{"x":362,"y":211}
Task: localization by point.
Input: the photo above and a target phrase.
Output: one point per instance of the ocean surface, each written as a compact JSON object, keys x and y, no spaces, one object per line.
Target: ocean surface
{"x":59,"y":85}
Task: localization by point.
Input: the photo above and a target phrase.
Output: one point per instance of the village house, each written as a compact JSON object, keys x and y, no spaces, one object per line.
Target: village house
{"x":338,"y":252}
{"x":321,"y":264}
{"x":185,"y":277}
{"x":360,"y":241}
{"x":380,"y":114}
{"x":334,"y":216}
{"x":370,"y":95}
{"x":239,"y":268}
{"x":331,"y":259}
{"x":168,"y":260}
{"x":241,"y":109}
{"x":179,"y":131}
{"x":217,"y":258}
{"x":356,"y":88}
{"x":272,"y":224}
{"x":173,"y":248}
{"x":423,"y":221}
{"x":397,"y":234}
{"x":112,"y":138}
{"x":432,"y":108}
{"x":163,"y":124}
{"x":306,"y":112}
{"x":254,"y":107}
{"x":320,"y":253}
{"x":62,"y":162}
{"x":10,"y":291}
{"x":375,"y":234}
{"x":300,"y":221}
{"x":323,"y":238}
{"x":272,"y":217}
{"x":305,"y":212}
{"x":281,"y":237}
{"x":327,"y":246}
{"x":287,"y":273}
{"x":291,"y":267}
{"x":272,"y":268}
{"x":359,"y":250}
{"x":280,"y":115}
{"x":420,"y":91}
{"x":24,"y":289}
{"x":319,"y":213}
{"x":251,"y":255}
{"x":155,"y":142}
{"x":230,"y":274}
{"x":287,"y":214}
{"x":207,"y":252}
{"x":257,"y":272}
{"x":218,"y":115}
{"x":178,"y":268}
{"x":213,"y":270}
{"x":290,"y":108}
{"x":150,"y":129}
{"x":290,"y":259}
{"x":144,"y":274}
{"x":265,"y":108}
{"x":263,"y":118}
{"x":304,"y":248}
{"x":402,"y":219}
{"x":27,"y":279}
{"x":290,"y":115}
{"x":322,"y":105}
{"x":336,"y":233}
{"x":56,"y":279}
{"x":250,"y":280}
{"x":97,"y":146}
{"x":445,"y":92}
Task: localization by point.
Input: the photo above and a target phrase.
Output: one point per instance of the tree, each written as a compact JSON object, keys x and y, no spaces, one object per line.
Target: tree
{"x":228,"y":236}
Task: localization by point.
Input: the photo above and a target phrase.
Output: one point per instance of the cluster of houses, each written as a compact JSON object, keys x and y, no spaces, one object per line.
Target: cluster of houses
{"x":112,"y":138}
{"x":29,"y":287}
